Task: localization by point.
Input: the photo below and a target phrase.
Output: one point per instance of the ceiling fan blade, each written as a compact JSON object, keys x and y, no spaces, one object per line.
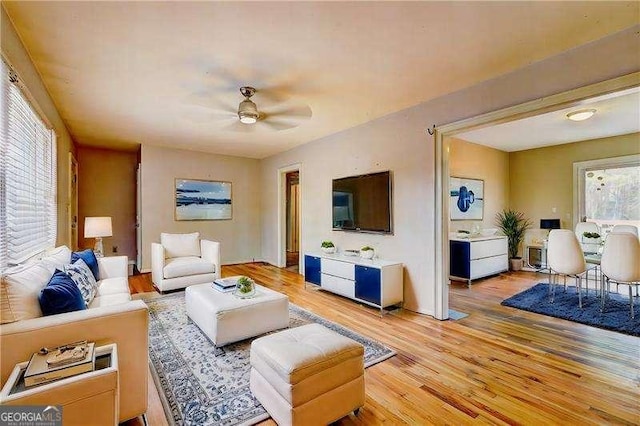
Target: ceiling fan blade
{"x":209,"y":101}
{"x":297,"y":111}
{"x":199,"y":114}
{"x":274,"y":93}
{"x":237,"y":126}
{"x":279,"y":124}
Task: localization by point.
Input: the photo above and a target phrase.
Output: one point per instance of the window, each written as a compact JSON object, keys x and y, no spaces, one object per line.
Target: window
{"x":610,"y":191}
{"x":27,"y":176}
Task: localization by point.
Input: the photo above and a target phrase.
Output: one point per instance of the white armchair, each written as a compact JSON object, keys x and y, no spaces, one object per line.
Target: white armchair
{"x":181,"y":260}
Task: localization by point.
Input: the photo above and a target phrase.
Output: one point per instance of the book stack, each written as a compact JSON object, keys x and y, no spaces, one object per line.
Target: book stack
{"x":225,"y":284}
{"x":64,"y":361}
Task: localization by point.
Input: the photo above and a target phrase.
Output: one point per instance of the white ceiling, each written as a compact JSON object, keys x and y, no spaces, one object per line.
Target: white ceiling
{"x":167,"y":73}
{"x":616,"y":114}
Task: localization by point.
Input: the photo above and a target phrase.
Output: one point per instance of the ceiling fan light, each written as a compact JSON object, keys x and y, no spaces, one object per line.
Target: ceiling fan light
{"x":248,"y":112}
{"x":581,"y":115}
{"x":246,"y":119}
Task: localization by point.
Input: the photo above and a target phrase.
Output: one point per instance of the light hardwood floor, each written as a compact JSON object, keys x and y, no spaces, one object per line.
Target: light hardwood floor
{"x":498,"y":365}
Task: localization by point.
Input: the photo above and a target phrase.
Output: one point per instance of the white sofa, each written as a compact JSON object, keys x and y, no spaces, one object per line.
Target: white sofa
{"x":112,"y":317}
{"x":181,"y":260}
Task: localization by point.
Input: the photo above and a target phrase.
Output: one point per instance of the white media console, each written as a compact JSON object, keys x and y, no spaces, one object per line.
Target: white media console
{"x":374,"y":282}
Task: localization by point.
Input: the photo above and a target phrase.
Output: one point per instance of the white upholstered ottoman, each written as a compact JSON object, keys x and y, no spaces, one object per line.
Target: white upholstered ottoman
{"x":307,"y":375}
{"x":225,"y":318}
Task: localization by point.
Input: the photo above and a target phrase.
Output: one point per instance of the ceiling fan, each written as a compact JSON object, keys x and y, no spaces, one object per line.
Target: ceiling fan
{"x":282,"y":115}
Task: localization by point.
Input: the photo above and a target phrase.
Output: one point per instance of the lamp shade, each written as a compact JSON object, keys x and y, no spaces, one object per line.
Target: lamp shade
{"x":97,"y":227}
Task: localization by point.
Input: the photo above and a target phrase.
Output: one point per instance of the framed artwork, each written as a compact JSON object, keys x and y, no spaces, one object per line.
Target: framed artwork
{"x":466,"y":200}
{"x":202,"y":200}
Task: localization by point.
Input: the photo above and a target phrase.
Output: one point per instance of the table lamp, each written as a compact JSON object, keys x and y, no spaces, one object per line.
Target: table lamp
{"x":97,"y":227}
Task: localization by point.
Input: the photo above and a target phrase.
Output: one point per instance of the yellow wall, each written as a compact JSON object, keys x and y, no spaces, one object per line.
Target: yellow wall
{"x":470,"y":160}
{"x":18,"y":58}
{"x":107,"y":187}
{"x":542,"y":178}
{"x":239,"y":237}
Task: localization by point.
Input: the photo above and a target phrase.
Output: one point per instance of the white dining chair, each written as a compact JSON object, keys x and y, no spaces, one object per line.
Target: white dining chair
{"x":625,"y":228}
{"x":565,"y":257}
{"x":620,"y":263}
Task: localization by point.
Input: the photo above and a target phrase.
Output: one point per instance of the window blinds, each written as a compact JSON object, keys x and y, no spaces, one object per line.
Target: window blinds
{"x":27,"y":177}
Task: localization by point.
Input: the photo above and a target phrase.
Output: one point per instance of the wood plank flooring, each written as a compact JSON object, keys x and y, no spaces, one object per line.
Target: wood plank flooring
{"x":499,"y":365}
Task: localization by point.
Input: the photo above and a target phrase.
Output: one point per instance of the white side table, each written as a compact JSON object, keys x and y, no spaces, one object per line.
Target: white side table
{"x":87,"y":398}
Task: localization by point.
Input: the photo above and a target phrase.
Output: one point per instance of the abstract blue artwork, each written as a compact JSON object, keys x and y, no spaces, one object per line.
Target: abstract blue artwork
{"x":203,"y":200}
{"x":467,"y":198}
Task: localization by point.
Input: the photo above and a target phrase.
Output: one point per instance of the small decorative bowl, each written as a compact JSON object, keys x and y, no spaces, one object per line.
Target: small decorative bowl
{"x":328,"y":250}
{"x":367,"y":254}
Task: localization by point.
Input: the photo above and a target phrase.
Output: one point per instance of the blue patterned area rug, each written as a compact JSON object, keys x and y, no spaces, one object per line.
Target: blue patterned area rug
{"x":200,"y":384}
{"x":616,"y":316}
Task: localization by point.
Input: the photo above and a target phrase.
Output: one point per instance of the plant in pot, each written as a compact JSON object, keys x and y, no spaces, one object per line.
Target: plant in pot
{"x":367,"y":252}
{"x":245,"y":287}
{"x":513,"y":224}
{"x":328,"y":247}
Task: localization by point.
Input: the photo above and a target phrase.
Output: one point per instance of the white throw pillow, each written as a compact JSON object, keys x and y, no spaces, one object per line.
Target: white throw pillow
{"x":21,"y":286}
{"x":84,"y":279}
{"x":57,"y":257}
{"x":180,"y":245}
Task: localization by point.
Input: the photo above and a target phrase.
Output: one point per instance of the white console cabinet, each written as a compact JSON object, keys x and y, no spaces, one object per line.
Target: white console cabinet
{"x":473,"y":258}
{"x":374,"y":282}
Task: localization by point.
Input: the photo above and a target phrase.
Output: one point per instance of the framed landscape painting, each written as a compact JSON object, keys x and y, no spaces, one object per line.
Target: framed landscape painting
{"x":202,"y":200}
{"x":467,"y":198}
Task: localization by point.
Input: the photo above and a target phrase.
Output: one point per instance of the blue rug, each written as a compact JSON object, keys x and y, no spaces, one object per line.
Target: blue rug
{"x":616,"y":316}
{"x":202,"y":385}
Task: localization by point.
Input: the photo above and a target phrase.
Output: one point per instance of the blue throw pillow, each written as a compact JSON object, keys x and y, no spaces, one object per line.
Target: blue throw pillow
{"x":60,"y":295}
{"x":90,"y":259}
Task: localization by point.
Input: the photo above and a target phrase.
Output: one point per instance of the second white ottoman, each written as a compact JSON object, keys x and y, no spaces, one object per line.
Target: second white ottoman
{"x":225,"y":318}
{"x":307,"y":375}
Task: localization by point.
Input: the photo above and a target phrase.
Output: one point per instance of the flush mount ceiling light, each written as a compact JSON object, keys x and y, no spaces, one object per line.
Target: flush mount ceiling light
{"x":247,"y":110}
{"x":581,"y":115}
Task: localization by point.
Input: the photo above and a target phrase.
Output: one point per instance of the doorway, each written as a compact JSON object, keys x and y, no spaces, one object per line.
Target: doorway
{"x":443,"y":137}
{"x":290,"y":182}
{"x":73,"y":203}
{"x":293,"y":220}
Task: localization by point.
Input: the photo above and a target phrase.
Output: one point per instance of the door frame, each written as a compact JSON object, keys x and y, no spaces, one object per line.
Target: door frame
{"x":282,"y":214}
{"x":571,"y":98}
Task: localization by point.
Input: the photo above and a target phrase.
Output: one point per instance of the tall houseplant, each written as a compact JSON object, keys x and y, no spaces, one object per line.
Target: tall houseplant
{"x":513,"y":224}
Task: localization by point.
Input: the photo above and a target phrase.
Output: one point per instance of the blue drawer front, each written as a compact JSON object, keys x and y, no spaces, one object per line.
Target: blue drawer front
{"x":368,"y":284}
{"x":459,"y":258}
{"x":312,"y":269}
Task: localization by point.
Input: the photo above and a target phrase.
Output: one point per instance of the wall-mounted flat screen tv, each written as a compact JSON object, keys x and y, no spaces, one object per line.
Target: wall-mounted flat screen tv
{"x":363,"y":203}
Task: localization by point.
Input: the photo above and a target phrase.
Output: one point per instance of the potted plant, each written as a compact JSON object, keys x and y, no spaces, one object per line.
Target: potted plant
{"x":367,"y":252}
{"x":328,"y":247}
{"x":513,"y":224}
{"x":245,"y":287}
{"x":591,"y":238}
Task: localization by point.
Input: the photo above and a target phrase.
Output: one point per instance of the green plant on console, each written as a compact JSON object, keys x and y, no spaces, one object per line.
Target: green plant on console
{"x":366,"y":248}
{"x":513,"y":224}
{"x":327,"y":244}
{"x":244,"y":285}
{"x":591,"y":235}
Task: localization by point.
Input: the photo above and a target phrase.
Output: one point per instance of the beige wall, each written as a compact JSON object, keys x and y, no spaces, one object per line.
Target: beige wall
{"x":239,"y":237}
{"x":18,"y":57}
{"x":542,"y":178}
{"x":399,"y":143}
{"x":107,"y":187}
{"x":475,"y":161}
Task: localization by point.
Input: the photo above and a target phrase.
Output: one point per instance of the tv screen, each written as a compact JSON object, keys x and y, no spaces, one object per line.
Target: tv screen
{"x":363,"y":203}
